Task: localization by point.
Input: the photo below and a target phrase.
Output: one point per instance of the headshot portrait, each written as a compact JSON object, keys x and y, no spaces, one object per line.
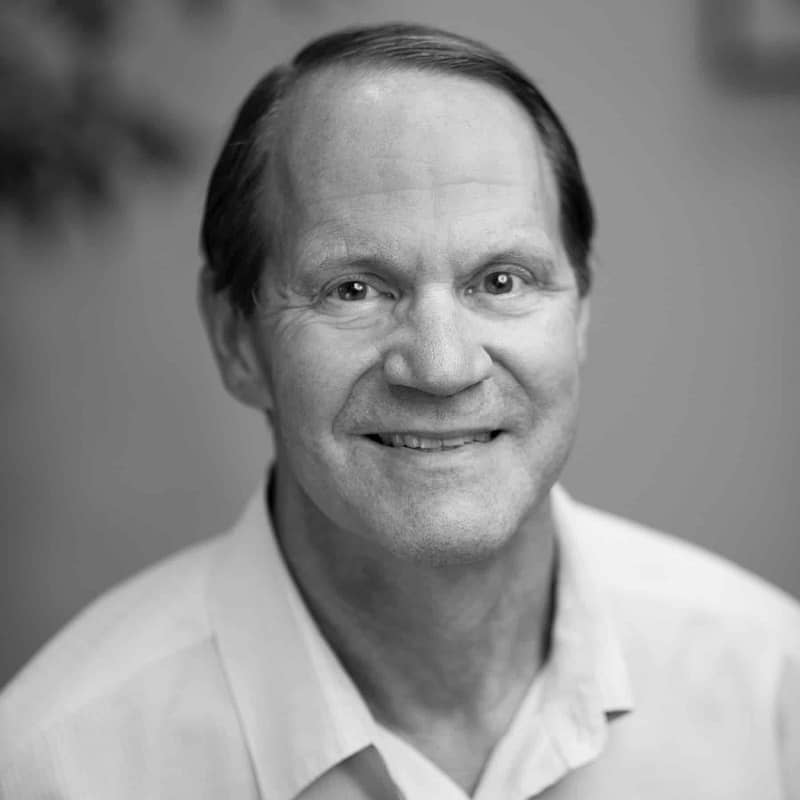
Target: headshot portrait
{"x":431,"y":437}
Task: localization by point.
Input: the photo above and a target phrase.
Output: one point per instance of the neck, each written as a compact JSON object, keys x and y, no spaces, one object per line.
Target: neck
{"x":434,"y":649}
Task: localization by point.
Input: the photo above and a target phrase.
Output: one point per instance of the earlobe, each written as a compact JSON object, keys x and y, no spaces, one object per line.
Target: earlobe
{"x":231,"y":338}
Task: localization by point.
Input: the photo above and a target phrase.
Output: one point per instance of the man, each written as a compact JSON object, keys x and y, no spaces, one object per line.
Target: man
{"x":397,"y":238}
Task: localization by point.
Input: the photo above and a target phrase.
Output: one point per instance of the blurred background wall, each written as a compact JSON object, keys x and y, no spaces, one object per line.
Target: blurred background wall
{"x":121,"y":446}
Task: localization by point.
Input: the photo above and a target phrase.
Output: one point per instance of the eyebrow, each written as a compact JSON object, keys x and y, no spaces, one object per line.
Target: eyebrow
{"x":523,"y":242}
{"x":542,"y":255}
{"x":524,"y":247}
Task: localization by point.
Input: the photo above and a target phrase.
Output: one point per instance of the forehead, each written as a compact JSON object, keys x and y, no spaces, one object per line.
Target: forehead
{"x":410,"y":148}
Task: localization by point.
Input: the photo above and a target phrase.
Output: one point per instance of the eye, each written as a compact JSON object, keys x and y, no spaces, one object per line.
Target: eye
{"x":352,"y":290}
{"x":506,"y":288}
{"x":357,"y":290}
{"x":498,"y":283}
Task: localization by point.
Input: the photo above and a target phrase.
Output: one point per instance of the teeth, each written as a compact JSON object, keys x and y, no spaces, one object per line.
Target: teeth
{"x":429,"y":443}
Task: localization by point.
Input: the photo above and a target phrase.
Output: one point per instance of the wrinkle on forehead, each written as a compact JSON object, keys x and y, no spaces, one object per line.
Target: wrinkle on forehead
{"x":370,"y":142}
{"x":375,"y":114}
{"x":410,"y":188}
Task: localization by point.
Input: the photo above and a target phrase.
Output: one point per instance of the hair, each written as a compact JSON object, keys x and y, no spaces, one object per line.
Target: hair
{"x":236,"y":238}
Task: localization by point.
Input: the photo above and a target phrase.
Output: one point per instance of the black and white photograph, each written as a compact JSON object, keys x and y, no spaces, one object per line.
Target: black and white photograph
{"x":400,"y":400}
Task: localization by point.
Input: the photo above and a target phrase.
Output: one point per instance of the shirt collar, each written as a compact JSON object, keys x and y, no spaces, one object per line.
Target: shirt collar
{"x":586,"y":678}
{"x":301,"y":713}
{"x":562,"y":723}
{"x":585,"y":646}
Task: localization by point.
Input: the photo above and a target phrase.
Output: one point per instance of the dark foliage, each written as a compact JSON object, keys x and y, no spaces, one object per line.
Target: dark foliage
{"x":70,"y":130}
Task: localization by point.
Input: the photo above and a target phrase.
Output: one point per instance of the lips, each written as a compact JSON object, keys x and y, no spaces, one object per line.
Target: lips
{"x":415,"y":441}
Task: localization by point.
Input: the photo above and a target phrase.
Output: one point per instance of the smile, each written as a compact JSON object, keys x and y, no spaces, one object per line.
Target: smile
{"x":414,"y":441}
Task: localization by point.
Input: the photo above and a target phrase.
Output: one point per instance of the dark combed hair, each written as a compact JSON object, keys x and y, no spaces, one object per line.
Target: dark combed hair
{"x":236,"y":239}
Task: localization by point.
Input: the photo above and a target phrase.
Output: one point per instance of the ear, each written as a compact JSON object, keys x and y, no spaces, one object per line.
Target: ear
{"x":582,"y":327}
{"x":233,"y":341}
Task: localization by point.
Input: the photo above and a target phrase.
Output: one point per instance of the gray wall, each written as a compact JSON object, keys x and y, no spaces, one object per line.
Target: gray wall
{"x":123,"y":447}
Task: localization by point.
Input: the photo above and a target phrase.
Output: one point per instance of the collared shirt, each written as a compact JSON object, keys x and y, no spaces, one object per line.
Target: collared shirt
{"x":671,"y":674}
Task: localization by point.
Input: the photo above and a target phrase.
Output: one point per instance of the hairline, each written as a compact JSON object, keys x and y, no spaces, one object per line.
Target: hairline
{"x":245,"y":220}
{"x":276,"y":125}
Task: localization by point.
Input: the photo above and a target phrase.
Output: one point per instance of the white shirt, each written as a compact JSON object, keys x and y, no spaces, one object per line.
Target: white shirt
{"x":671,"y":674}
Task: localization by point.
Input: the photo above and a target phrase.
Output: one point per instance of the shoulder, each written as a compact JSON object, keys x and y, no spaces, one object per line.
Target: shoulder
{"x":125,"y":641}
{"x":710,"y":650}
{"x":648,"y":572}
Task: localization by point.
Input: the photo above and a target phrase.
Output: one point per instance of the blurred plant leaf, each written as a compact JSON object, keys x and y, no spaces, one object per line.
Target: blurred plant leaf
{"x":70,"y":129}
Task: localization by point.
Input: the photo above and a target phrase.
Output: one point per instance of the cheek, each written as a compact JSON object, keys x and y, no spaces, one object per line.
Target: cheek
{"x":544,"y":359}
{"x":313,"y":372}
{"x":304,"y":390}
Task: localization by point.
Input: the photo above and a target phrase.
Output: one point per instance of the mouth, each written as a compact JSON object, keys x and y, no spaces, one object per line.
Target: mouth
{"x":433,"y":443}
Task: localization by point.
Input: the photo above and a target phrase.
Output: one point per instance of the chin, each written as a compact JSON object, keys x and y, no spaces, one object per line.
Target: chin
{"x":447,"y":536}
{"x":442,"y":552}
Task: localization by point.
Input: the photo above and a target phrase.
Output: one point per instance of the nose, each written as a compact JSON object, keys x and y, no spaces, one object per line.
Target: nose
{"x":435,"y":349}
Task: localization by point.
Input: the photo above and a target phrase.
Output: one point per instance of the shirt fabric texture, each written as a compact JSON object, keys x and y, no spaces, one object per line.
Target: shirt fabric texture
{"x":671,"y":674}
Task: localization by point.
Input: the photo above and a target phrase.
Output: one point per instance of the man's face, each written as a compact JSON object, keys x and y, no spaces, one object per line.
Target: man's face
{"x":419,"y":341}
